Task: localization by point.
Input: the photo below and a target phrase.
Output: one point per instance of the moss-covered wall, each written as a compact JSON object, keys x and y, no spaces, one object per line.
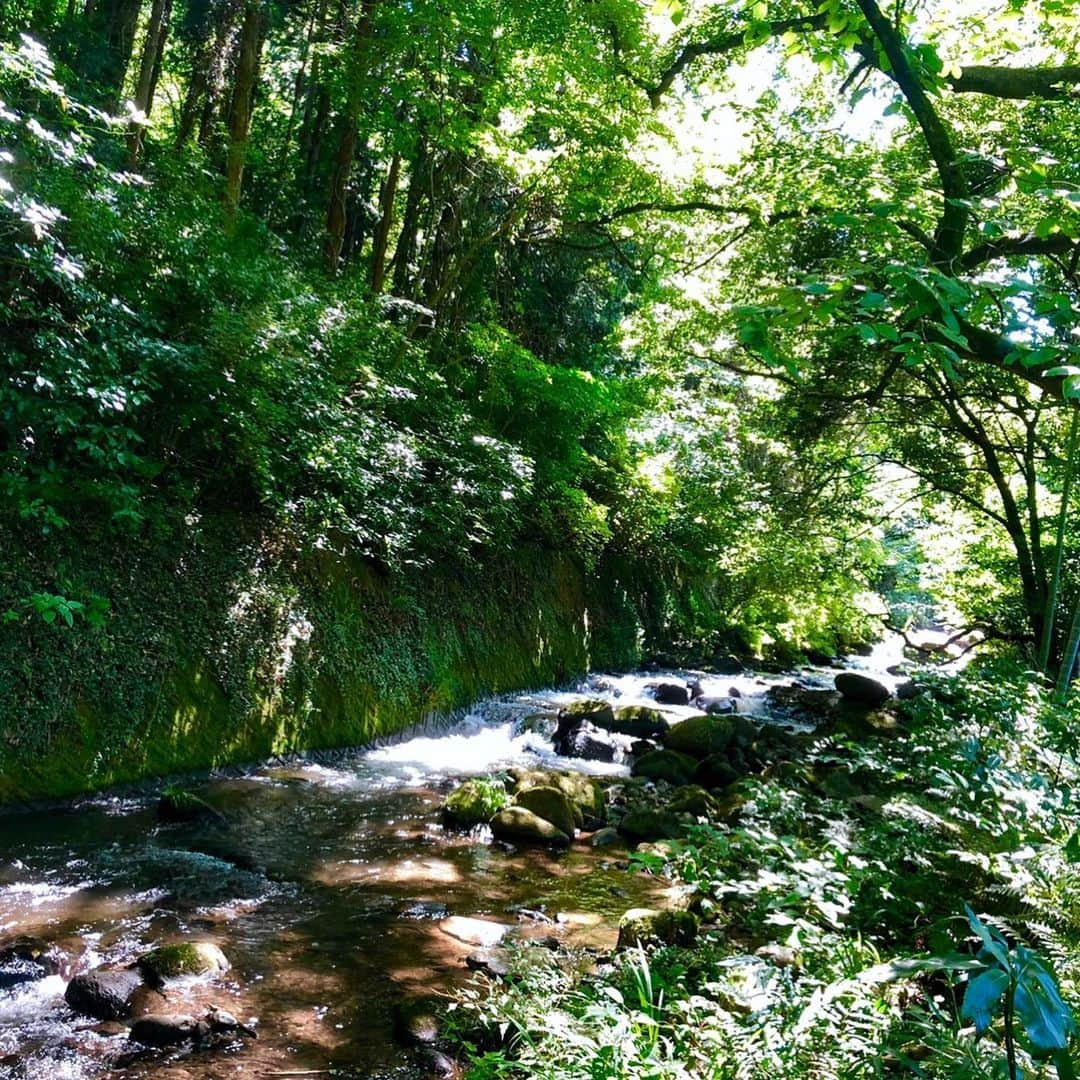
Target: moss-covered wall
{"x":227,"y":646}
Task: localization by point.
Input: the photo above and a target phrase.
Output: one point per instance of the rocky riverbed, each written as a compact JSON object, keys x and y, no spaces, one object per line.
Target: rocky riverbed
{"x":308,"y":915}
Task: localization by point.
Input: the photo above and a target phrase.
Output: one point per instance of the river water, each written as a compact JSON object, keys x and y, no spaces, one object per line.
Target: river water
{"x":327,"y":887}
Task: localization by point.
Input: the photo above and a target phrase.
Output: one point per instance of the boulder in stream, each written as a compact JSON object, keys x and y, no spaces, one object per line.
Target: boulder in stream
{"x":474,"y":803}
{"x":667,"y":765}
{"x":519,"y":825}
{"x":162,"y":1030}
{"x":182,"y":958}
{"x":700,"y":736}
{"x":639,"y":722}
{"x":862,"y":689}
{"x":670,"y":693}
{"x":104,"y":993}
{"x":26,"y":959}
{"x":480,"y":932}
{"x":585,"y":794}
{"x":551,"y":804}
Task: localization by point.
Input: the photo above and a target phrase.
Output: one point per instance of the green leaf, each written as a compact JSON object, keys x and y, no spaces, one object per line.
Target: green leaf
{"x":982,"y":997}
{"x":1039,"y":1008}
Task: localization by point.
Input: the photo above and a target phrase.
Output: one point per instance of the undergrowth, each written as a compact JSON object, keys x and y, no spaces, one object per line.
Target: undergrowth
{"x":834,"y":940}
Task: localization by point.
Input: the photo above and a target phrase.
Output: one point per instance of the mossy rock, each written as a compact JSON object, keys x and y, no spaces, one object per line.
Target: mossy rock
{"x":638,"y":721}
{"x":551,"y":804}
{"x":186,"y":958}
{"x":646,"y":824}
{"x":643,"y":926}
{"x":519,"y":825}
{"x":667,"y":765}
{"x":591,"y":710}
{"x":693,"y":799}
{"x":474,"y":803}
{"x":701,"y":736}
{"x":716,"y":771}
{"x":585,"y":795}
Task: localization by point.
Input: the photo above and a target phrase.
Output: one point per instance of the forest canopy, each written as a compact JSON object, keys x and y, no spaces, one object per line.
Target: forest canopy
{"x":779,"y":297}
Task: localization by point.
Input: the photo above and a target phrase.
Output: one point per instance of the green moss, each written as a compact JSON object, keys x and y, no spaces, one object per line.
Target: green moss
{"x":231,"y":645}
{"x":187,"y":958}
{"x":475,"y":802}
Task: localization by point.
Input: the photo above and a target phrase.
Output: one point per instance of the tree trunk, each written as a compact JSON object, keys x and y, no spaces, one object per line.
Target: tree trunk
{"x":386,"y":222}
{"x":105,"y":52}
{"x":243,"y":99}
{"x":405,"y":253}
{"x":153,"y":46}
{"x":346,"y":152}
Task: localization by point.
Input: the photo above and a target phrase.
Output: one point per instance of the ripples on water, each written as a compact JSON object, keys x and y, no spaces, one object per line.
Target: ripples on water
{"x":324,"y":890}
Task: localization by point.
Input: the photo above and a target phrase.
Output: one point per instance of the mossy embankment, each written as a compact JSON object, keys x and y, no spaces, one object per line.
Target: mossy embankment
{"x":233,"y":643}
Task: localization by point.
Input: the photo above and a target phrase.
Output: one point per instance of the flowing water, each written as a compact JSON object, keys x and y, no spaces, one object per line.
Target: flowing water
{"x":326,"y":887}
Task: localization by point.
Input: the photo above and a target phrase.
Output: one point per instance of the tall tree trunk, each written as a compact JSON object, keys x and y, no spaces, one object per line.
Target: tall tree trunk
{"x":243,"y":99}
{"x":1059,"y":552}
{"x":405,"y":253}
{"x":386,"y":221}
{"x":346,"y":151}
{"x":339,"y":187}
{"x":153,"y":46}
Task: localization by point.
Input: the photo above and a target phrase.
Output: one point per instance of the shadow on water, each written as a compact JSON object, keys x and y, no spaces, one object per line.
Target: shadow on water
{"x":325,"y":887}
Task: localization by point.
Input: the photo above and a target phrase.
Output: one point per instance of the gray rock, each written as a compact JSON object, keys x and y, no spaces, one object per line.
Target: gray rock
{"x":605,"y":837}
{"x":168,"y":1029}
{"x":104,"y":993}
{"x":671,"y":694}
{"x":862,"y":689}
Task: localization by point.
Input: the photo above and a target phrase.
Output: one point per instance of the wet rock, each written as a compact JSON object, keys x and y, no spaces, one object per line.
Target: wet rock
{"x":908,"y":690}
{"x":590,"y":710}
{"x":585,"y":794}
{"x":812,"y":706}
{"x":145,"y":1000}
{"x":104,"y":993}
{"x":224,"y":1023}
{"x":110,"y":1029}
{"x":818,"y":658}
{"x":475,"y":931}
{"x":716,"y":706}
{"x":667,"y":765}
{"x":639,"y":722}
{"x":700,"y":736}
{"x":417,"y":1023}
{"x":542,"y":724}
{"x":645,"y":823}
{"x":473,"y":803}
{"x":671,"y":694}
{"x":583,"y":740}
{"x":693,"y":799}
{"x":862,"y":690}
{"x":26,"y":959}
{"x":520,"y":825}
{"x":494,"y":962}
{"x":716,"y":771}
{"x":643,"y":926}
{"x":551,"y":804}
{"x":605,"y":837}
{"x":182,"y":958}
{"x":163,"y":1030}
{"x":176,"y":804}
{"x":733,"y":692}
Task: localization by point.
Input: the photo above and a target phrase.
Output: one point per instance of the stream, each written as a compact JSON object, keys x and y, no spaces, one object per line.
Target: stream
{"x":328,"y":888}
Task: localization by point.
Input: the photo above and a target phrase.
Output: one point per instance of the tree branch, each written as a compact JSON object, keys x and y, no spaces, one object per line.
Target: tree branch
{"x":1021,"y":244}
{"x":1051,"y":83}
